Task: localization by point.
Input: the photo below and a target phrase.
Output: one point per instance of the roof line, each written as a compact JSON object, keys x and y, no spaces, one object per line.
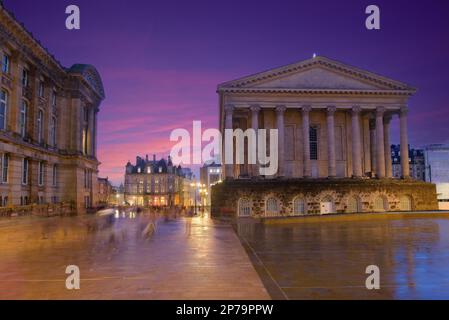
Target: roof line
{"x":12,"y":16}
{"x":285,"y":69}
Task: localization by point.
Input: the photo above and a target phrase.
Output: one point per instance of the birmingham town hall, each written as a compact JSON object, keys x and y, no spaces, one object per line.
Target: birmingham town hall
{"x":48,"y":124}
{"x":333,"y":124}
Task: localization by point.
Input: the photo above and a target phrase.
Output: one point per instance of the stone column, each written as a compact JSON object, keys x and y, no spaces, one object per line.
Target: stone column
{"x":380,"y":149}
{"x":405,"y":166}
{"x":366,"y":144}
{"x":229,"y":168}
{"x":372,"y":142}
{"x":255,"y":109}
{"x":306,"y":141}
{"x":332,"y":167}
{"x":388,"y":164}
{"x":356,"y":143}
{"x":95,"y":131}
{"x":91,"y":133}
{"x":280,"y":110}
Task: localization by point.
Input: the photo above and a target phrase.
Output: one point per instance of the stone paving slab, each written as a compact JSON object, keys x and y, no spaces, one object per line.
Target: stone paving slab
{"x":184,"y":258}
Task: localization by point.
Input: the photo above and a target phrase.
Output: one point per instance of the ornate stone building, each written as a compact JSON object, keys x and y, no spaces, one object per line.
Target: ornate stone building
{"x":157,"y":183}
{"x":333,"y":122}
{"x":105,"y":192}
{"x":48,"y":123}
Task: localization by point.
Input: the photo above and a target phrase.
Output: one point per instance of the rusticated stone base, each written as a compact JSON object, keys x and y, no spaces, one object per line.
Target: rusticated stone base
{"x":341,"y":195}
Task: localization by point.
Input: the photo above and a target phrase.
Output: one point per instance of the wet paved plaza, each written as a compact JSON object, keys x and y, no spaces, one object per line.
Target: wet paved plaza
{"x":120,"y":258}
{"x":328,"y":259}
{"x":123,"y":257}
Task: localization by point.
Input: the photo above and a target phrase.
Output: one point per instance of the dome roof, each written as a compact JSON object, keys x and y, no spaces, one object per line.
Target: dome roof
{"x":91,"y":75}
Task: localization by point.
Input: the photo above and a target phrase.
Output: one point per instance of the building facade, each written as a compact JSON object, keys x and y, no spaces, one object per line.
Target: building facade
{"x":333,"y":124}
{"x":105,"y":192}
{"x":415,"y":159}
{"x":157,"y":183}
{"x":48,"y":123}
{"x":210,"y":174}
{"x":437,"y":171}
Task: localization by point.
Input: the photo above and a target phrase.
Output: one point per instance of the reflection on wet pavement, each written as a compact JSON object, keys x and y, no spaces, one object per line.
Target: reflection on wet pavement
{"x":125,"y":255}
{"x":328,"y":260}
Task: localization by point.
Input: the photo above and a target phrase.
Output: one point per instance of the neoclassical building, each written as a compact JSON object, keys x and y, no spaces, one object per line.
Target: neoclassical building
{"x":48,"y":124}
{"x":333,"y":123}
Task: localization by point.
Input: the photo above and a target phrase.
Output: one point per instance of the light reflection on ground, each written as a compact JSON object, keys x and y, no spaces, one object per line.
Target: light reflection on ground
{"x":328,"y":260}
{"x":126,"y":255}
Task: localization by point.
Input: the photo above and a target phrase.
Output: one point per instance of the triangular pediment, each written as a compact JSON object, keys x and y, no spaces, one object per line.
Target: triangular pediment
{"x":318,"y":73}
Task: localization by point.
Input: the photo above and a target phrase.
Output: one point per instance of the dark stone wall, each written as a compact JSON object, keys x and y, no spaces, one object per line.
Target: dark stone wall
{"x":225,"y":195}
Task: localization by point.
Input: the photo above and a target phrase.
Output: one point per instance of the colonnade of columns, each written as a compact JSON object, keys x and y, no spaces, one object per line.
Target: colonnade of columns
{"x":379,"y":137}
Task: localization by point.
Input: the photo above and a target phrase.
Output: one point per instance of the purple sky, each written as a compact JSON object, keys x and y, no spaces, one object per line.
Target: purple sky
{"x":160,"y":61}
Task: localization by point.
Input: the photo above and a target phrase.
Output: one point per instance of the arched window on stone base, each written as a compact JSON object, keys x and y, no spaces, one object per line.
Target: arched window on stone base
{"x":405,"y":203}
{"x":299,"y":206}
{"x":380,"y":204}
{"x":272,"y":207}
{"x":353,"y":205}
{"x":244,"y":207}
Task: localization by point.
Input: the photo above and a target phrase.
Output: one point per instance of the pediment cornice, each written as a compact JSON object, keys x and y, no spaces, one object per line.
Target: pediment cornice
{"x":248,"y":83}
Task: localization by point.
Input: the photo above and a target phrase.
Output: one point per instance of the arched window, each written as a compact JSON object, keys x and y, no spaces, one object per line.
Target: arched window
{"x":405,"y":203}
{"x":272,"y":207}
{"x":244,"y":207}
{"x":353,"y":205}
{"x":380,"y":204}
{"x":299,"y":207}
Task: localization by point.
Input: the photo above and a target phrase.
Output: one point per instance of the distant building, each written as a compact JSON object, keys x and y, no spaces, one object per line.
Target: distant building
{"x":118,"y":195}
{"x":210,"y":174}
{"x":437,"y":171}
{"x":416,"y":161}
{"x":157,"y":183}
{"x":104,"y":191}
